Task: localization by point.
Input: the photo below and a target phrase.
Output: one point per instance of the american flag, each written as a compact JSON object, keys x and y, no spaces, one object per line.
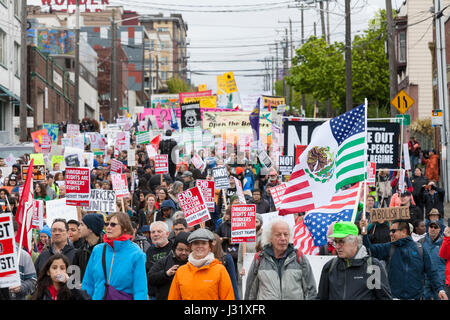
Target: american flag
{"x":341,"y":208}
{"x":303,"y":239}
{"x":298,"y":196}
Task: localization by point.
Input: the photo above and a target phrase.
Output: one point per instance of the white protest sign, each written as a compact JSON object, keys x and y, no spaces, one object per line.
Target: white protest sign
{"x":161,"y":164}
{"x":73,"y":130}
{"x":317,"y":263}
{"x":131,"y":158}
{"x":406,"y":157}
{"x":289,"y":218}
{"x":58,"y":209}
{"x":9,"y":268}
{"x":265,"y":159}
{"x":239,"y":190}
{"x":207,"y":189}
{"x":194,"y":207}
{"x":243,"y":227}
{"x":198,"y":162}
{"x":102,"y":200}
{"x":10,"y":160}
{"x":120,"y":185}
{"x":37,"y":221}
{"x":151,"y":151}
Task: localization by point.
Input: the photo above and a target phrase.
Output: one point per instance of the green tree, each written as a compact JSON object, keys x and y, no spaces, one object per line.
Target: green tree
{"x":177,"y":85}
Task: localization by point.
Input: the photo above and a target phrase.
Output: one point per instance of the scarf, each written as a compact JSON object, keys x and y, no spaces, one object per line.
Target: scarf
{"x":53,"y":292}
{"x":123,"y":237}
{"x":201,"y":262}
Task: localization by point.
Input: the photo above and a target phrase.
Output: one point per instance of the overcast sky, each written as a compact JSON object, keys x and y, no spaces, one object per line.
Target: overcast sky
{"x":249,"y":34}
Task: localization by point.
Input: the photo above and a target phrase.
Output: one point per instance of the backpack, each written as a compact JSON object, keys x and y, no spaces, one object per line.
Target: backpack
{"x":258,"y":255}
{"x":334,"y":261}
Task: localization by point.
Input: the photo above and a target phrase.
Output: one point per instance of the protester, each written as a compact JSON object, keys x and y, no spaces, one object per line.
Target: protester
{"x":406,"y":263}
{"x":431,"y":161}
{"x":337,"y":280}
{"x":384,"y":189}
{"x":128,"y":279}
{"x":150,"y":209}
{"x":203,"y":277}
{"x":44,"y":238}
{"x":40,"y":192}
{"x":139,"y":238}
{"x":262,"y":205}
{"x":74,"y":233}
{"x":433,"y":243}
{"x":419,"y":231}
{"x":279,"y":271}
{"x":163,"y":271}
{"x":418,"y":180}
{"x":433,"y":198}
{"x":52,"y":281}
{"x":434,"y":216}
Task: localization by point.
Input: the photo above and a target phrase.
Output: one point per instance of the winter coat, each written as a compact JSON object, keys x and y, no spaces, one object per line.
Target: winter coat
{"x":406,"y":268}
{"x":444,"y":253}
{"x":158,"y":278}
{"x":379,"y":232}
{"x":263,"y":206}
{"x":435,"y":200}
{"x":433,"y":248}
{"x":228,"y":262}
{"x":142,"y":242}
{"x":83,"y":254}
{"x":348,"y":279}
{"x":76,"y":295}
{"x":432,"y":167}
{"x":127,"y":263}
{"x":210,"y":282}
{"x":69,"y":251}
{"x":288,"y":278}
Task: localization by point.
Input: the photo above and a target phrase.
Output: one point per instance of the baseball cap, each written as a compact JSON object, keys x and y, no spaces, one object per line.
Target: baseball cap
{"x":435,"y":223}
{"x":201,"y":234}
{"x":343,"y":229}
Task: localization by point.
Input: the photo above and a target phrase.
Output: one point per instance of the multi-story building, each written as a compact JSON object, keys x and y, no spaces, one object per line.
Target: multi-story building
{"x":10,"y":72}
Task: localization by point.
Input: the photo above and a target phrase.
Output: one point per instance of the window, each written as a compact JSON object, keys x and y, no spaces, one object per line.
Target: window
{"x":163,"y":29}
{"x":4,"y":2}
{"x":16,"y":59}
{"x":2,"y":47}
{"x":164,"y":61}
{"x":164,"y":75}
{"x":402,"y":47}
{"x":17,"y":4}
{"x":165,"y":44}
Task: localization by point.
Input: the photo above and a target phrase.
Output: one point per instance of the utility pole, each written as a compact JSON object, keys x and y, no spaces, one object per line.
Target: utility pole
{"x":393,"y":85}
{"x":324,"y":36}
{"x":157,"y":74}
{"x":23,"y":132}
{"x":276,"y":62}
{"x":143,"y":71}
{"x":272,"y":80}
{"x":348,"y":58}
{"x":112,"y":71}
{"x":303,"y":41}
{"x":328,"y":23}
{"x":76,"y":100}
{"x":442,"y":84}
{"x":285,"y":67}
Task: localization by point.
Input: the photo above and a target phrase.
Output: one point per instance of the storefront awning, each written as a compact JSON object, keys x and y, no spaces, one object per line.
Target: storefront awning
{"x":4,"y":92}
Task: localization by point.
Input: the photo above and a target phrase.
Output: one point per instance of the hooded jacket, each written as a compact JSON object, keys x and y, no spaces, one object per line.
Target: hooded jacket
{"x":127,"y":263}
{"x":444,"y":253}
{"x":68,"y":250}
{"x":433,"y":248}
{"x":210,"y":282}
{"x":407,"y":269}
{"x":280,"y":279}
{"x":82,"y":255}
{"x":348,"y":279}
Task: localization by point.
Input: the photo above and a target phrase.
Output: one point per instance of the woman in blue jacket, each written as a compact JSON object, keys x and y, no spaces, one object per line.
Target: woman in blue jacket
{"x":124,"y":261}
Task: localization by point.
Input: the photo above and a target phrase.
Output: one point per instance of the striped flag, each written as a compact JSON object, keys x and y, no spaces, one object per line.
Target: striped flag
{"x":297,"y":196}
{"x":341,"y":208}
{"x":303,"y":240}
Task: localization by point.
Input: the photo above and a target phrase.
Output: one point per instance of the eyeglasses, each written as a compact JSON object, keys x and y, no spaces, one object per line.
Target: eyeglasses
{"x":340,"y":242}
{"x":112,"y":224}
{"x":183,"y":250}
{"x":58,"y":230}
{"x":434,"y":226}
{"x":393,"y":230}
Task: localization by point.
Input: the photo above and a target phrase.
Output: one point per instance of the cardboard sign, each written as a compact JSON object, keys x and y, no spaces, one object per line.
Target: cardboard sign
{"x":9,"y":268}
{"x":286,"y":164}
{"x":243,"y":225}
{"x":78,"y":184}
{"x":389,"y":214}
{"x":120,"y":185}
{"x":162,"y":164}
{"x":59,"y":209}
{"x":221,"y":179}
{"x":207,"y":189}
{"x":194,"y":207}
{"x":277,"y":194}
{"x":116,"y":166}
{"x":102,"y":200}
{"x":39,"y":173}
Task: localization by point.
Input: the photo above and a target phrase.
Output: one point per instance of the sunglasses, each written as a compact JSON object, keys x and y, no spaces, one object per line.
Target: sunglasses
{"x":434,"y":226}
{"x":112,"y":224}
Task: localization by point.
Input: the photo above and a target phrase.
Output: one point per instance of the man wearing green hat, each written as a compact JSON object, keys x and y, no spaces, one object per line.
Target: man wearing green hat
{"x":352,"y":275}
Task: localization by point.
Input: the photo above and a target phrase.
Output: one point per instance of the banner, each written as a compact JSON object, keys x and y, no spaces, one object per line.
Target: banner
{"x":78,"y":181}
{"x":9,"y":268}
{"x":116,"y":166}
{"x":120,"y":185}
{"x":102,"y":200}
{"x":193,"y":205}
{"x":59,"y":209}
{"x":277,"y":193}
{"x":161,"y":164}
{"x":221,"y":179}
{"x":190,"y":115}
{"x":243,"y":225}
{"x":273,"y":102}
{"x":207,"y":189}
{"x":193,"y":95}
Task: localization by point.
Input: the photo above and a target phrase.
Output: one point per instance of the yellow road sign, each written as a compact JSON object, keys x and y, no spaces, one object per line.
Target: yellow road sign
{"x":402,"y":102}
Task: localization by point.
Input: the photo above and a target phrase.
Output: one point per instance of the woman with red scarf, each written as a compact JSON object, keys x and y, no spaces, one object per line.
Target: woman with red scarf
{"x":124,"y":263}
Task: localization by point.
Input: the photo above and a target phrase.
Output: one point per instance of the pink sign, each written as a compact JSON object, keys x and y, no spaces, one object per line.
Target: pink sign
{"x":185,"y":95}
{"x":243,"y":224}
{"x":162,"y":164}
{"x":193,"y":205}
{"x":78,"y":181}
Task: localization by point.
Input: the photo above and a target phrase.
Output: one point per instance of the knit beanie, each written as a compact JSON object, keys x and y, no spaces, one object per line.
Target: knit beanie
{"x":47,"y":231}
{"x":260,"y":218}
{"x":95,"y":222}
{"x":181,"y":237}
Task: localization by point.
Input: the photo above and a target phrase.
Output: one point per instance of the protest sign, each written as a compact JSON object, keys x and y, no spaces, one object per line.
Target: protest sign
{"x":193,"y":205}
{"x":87,"y":160}
{"x":198,"y":162}
{"x":78,"y":182}
{"x":151,"y":151}
{"x":38,"y":158}
{"x":123,"y":140}
{"x":221,"y":179}
{"x":243,"y":225}
{"x":286,"y":164}
{"x":36,"y":137}
{"x":161,"y":164}
{"x":143,"y":137}
{"x":131,"y":158}
{"x":39,"y":173}
{"x":10,"y":160}
{"x":37,"y":221}
{"x":389,"y":214}
{"x":371,"y":173}
{"x":265,"y":159}
{"x":277,"y":193}
{"x":120,"y":185}
{"x":9,"y":268}
{"x":102,"y":200}
{"x":116,"y":166}
{"x":58,"y":159}
{"x":239,"y":190}
{"x":190,"y":115}
{"x":267,"y":217}
{"x":46,"y":144}
{"x":207,"y":189}
{"x":73,"y":130}
{"x":58,"y":209}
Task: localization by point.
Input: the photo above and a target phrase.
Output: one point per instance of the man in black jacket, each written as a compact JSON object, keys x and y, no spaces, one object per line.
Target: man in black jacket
{"x":166,"y":147}
{"x":352,"y":275}
{"x":433,"y":197}
{"x":262,"y":205}
{"x":414,"y":211}
{"x":161,"y":274}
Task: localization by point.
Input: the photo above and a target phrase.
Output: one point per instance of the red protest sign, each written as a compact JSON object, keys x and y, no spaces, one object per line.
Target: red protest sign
{"x":9,"y":268}
{"x":243,"y":225}
{"x":78,"y":181}
{"x":120,"y":185}
{"x":193,"y":205}
{"x":161,"y":164}
{"x":371,"y":173}
{"x":116,"y":166}
{"x":277,"y":194}
{"x":207,"y":189}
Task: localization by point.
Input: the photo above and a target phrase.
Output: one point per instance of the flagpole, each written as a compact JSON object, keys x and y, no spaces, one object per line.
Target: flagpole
{"x":363,"y":216}
{"x":355,"y":210}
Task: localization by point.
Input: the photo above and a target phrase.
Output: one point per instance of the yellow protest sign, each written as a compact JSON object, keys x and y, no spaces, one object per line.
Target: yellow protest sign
{"x":273,"y":102}
{"x":57,"y":159}
{"x":205,"y":102}
{"x":202,"y":87}
{"x":38,"y":158}
{"x":226,"y":83}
